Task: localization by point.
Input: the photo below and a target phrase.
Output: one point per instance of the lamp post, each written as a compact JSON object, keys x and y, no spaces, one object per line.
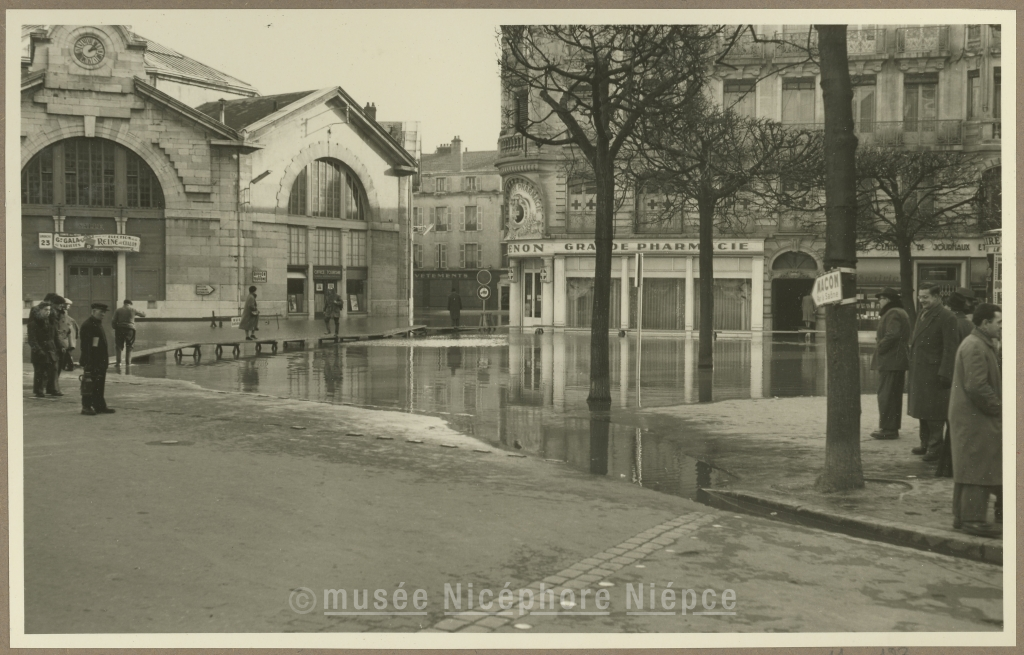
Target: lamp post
{"x":238,"y":235}
{"x":406,"y":172}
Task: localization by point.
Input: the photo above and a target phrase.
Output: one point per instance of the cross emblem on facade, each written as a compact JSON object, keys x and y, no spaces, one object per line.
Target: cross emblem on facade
{"x":576,"y":205}
{"x":652,"y":204}
{"x":590,"y":204}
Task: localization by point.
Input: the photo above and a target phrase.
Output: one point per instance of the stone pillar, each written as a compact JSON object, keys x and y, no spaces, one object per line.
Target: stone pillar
{"x":548,"y":306}
{"x":310,"y":305}
{"x":558,"y":296}
{"x":688,"y":317}
{"x":58,"y":259}
{"x":343,"y":285}
{"x":757,"y":293}
{"x":515,"y":293}
{"x":122,"y":265}
{"x":624,"y":295}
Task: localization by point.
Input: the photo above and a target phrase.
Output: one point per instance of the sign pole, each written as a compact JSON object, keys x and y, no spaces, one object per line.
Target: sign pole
{"x":639,"y":281}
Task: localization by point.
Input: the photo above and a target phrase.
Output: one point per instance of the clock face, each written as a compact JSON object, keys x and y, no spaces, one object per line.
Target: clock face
{"x":89,"y":50}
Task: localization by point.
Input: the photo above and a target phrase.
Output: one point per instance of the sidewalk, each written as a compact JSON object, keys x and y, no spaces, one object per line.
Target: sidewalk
{"x":192,"y":510}
{"x":773,"y":449}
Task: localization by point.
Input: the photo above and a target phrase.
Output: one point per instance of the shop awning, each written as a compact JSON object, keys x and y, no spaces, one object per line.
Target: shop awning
{"x":296,"y":275}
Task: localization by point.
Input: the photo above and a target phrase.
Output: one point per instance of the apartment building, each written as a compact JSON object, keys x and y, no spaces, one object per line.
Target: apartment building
{"x":457,"y":226}
{"x":917,"y":87}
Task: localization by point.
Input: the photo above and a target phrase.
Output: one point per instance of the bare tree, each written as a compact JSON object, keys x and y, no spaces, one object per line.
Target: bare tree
{"x":721,"y":164}
{"x":904,"y":196}
{"x":843,"y":469}
{"x":588,"y":86}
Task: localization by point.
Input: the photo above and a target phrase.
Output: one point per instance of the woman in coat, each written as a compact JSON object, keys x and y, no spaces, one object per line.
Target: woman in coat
{"x":250,"y":316}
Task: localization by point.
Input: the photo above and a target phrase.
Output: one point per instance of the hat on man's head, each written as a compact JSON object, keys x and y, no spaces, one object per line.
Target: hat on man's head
{"x":888,"y":292}
{"x":99,"y":305}
{"x":57,"y":300}
{"x":67,"y":301}
{"x":965,"y":293}
{"x":49,"y":297}
{"x":127,"y":302}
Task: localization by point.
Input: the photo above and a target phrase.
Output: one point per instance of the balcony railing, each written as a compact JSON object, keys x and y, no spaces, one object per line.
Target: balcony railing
{"x":858,"y":42}
{"x":923,"y":40}
{"x":744,"y":47}
{"x":513,"y":145}
{"x":911,"y":133}
{"x":656,"y":223}
{"x":982,"y":131}
{"x":580,"y":222}
{"x":865,"y":42}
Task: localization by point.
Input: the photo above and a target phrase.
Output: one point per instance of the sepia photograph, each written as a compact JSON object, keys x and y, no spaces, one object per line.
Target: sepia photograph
{"x":609,"y":328}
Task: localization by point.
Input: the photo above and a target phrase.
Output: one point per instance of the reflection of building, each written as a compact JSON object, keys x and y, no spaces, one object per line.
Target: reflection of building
{"x":186,"y":206}
{"x":920,"y":87}
{"x":457,"y":216}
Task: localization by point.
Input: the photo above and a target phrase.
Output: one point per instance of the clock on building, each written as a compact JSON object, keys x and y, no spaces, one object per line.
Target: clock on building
{"x":89,"y":50}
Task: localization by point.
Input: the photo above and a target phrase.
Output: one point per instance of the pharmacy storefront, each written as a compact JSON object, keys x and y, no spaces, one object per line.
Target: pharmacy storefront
{"x":552,"y":284}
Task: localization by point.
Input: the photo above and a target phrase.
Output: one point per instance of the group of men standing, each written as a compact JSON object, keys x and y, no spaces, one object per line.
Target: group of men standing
{"x":954,"y":390}
{"x":53,"y":335}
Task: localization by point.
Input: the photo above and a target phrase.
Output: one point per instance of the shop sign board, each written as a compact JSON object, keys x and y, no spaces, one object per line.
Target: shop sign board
{"x":327,"y":271}
{"x":828,"y":288}
{"x":631,"y":246}
{"x":258,"y":275}
{"x":101,"y":242}
{"x":967,"y":247}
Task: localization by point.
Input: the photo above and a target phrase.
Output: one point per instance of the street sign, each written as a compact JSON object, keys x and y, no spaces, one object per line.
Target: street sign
{"x":483,"y":277}
{"x":259,"y":276}
{"x":204,"y":289}
{"x":483,"y":293}
{"x":236,"y":321}
{"x":828,"y":288}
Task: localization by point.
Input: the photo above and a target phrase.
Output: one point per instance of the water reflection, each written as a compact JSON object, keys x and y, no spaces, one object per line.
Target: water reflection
{"x":531,"y":390}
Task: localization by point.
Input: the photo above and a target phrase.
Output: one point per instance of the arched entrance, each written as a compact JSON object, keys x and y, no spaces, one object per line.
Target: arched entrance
{"x":87,"y":190}
{"x":793,"y":276}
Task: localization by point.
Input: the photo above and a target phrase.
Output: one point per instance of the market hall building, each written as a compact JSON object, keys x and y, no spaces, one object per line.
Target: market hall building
{"x":148,"y":175}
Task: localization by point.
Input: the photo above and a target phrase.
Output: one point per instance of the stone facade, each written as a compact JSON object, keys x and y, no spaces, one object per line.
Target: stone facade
{"x":213,"y":218}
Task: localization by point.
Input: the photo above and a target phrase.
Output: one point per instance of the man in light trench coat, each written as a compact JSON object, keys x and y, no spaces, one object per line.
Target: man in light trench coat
{"x":976,"y":423}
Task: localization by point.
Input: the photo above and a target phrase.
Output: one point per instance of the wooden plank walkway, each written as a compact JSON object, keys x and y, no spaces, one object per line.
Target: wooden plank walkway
{"x":196,"y":347}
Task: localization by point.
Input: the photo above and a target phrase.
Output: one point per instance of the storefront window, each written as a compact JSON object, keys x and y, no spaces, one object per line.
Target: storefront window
{"x":732,"y":304}
{"x":579,"y":302}
{"x":356,"y":290}
{"x":664,"y":304}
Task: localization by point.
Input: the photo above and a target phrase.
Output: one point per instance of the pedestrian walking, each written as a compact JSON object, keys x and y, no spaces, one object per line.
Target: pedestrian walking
{"x":960,"y":302}
{"x":42,"y":343}
{"x":807,"y":307}
{"x":124,"y":331}
{"x":95,"y":359}
{"x":332,"y":310}
{"x":67,"y":330}
{"x":976,"y":423}
{"x":64,"y":339}
{"x":454,"y":306}
{"x":932,"y":352}
{"x":250,"y":316}
{"x":891,"y":360}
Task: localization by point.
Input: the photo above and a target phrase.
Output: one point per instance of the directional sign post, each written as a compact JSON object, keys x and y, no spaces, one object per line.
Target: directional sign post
{"x":828,"y":288}
{"x":483,"y":293}
{"x":204,"y":289}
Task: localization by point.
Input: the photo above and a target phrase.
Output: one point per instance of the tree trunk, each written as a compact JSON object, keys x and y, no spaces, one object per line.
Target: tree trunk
{"x":907,"y":291}
{"x":842,"y":433}
{"x":705,"y":257}
{"x":600,"y":384}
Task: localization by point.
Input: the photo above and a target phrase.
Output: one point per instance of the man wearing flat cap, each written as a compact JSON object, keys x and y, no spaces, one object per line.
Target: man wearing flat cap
{"x":891,"y":360}
{"x":95,"y":359}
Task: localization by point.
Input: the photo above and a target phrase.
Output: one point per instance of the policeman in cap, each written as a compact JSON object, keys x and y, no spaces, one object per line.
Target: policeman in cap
{"x":95,"y":359}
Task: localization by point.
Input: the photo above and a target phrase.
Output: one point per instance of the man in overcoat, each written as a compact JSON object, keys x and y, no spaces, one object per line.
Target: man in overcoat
{"x":454,"y":306}
{"x":95,"y":359}
{"x":891,"y":360}
{"x":961,"y":303}
{"x":932,"y":352}
{"x":976,"y":424}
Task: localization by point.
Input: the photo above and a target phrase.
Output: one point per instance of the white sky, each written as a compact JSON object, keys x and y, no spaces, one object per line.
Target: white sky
{"x":425,"y":68}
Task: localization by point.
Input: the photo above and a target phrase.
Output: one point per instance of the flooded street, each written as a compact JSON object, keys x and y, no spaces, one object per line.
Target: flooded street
{"x":526,"y":393}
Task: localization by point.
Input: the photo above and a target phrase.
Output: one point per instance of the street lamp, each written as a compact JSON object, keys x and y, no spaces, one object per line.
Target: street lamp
{"x":400,"y":172}
{"x":238,"y":231}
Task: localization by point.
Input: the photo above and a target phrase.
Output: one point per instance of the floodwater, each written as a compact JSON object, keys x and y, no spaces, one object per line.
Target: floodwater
{"x":527,"y":393}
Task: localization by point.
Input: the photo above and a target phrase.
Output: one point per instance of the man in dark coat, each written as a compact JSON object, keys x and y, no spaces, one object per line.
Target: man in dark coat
{"x":976,"y":424}
{"x":932,"y":352}
{"x":95,"y":358}
{"x":42,"y":343}
{"x":961,"y":303}
{"x":891,"y":360}
{"x":454,"y":306}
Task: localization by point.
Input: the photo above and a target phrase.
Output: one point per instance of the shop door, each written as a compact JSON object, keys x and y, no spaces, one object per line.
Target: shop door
{"x":532,"y":302}
{"x":85,"y":284}
{"x":787,"y":310}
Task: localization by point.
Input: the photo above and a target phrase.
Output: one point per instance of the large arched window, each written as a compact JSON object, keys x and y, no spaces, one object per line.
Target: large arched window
{"x":89,"y":172}
{"x":329,"y":189}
